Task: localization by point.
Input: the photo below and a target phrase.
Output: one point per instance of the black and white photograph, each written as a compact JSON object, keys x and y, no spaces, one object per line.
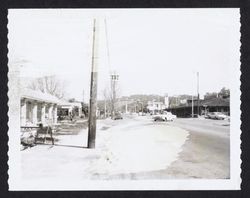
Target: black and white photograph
{"x":124,"y":99}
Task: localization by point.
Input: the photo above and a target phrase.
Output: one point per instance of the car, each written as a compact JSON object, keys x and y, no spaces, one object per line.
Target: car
{"x":220,"y":116}
{"x":118,"y":116}
{"x":158,"y":118}
{"x":166,"y":116}
{"x":217,"y":116}
{"x":141,"y":113}
{"x":210,"y":115}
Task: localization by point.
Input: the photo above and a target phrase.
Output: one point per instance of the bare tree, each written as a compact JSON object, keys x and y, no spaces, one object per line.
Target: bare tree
{"x":111,"y":95}
{"x":49,"y":84}
{"x":107,"y":100}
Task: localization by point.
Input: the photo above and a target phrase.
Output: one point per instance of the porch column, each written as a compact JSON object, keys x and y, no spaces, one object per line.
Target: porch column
{"x":51,"y":113}
{"x":34,"y":113}
{"x":23,"y":112}
{"x":80,"y":111}
{"x":43,"y":110}
{"x":55,"y":114}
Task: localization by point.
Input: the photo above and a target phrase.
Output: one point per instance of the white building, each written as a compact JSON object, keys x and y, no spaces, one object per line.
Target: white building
{"x":166,"y":101}
{"x":157,"y":106}
{"x":66,"y":108}
{"x":154,"y":106}
{"x":37,"y":107}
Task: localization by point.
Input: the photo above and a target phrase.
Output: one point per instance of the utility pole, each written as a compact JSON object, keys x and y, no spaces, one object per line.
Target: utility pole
{"x":83,"y":95}
{"x":93,"y":91}
{"x":192,"y":106}
{"x":112,"y":96}
{"x":114,"y":79}
{"x":126,"y":106}
{"x":105,"y":109}
{"x":198,"y":95}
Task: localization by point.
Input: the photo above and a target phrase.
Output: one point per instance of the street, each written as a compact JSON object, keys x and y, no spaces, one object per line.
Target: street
{"x":205,"y":154}
{"x":137,"y":148}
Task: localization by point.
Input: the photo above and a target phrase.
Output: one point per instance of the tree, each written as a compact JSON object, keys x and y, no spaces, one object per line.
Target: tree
{"x":224,"y":93}
{"x":72,"y":100}
{"x":107,"y":103}
{"x":49,"y":84}
{"x":111,"y":95}
{"x":210,"y":95}
{"x":85,"y":109}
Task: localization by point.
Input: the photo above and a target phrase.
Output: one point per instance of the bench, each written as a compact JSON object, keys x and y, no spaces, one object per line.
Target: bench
{"x":42,"y":133}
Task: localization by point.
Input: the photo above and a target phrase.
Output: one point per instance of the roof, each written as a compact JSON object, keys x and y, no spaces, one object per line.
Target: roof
{"x":216,"y":102}
{"x":38,"y":95}
{"x":66,"y":103}
{"x":213,"y":102}
{"x":155,"y":102}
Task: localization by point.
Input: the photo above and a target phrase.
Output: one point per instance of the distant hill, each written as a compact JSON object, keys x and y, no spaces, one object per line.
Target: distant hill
{"x":144,"y":98}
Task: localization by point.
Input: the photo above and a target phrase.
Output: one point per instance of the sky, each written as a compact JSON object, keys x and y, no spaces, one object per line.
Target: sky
{"x":154,"y":51}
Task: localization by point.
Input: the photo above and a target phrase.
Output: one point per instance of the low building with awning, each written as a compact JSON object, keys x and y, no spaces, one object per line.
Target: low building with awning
{"x":216,"y":105}
{"x":66,"y":108}
{"x":205,"y":106}
{"x":37,"y":107}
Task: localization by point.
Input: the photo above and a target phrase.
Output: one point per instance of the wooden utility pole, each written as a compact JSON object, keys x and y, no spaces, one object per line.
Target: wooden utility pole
{"x":83,"y":97}
{"x":105,"y":109}
{"x":93,"y":91}
{"x":192,"y":106}
{"x":114,"y":79}
{"x":126,"y":106}
{"x":198,"y":95}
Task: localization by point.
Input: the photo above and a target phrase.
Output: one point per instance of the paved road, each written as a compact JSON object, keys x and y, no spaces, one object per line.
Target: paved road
{"x":206,"y":126}
{"x":205,"y":154}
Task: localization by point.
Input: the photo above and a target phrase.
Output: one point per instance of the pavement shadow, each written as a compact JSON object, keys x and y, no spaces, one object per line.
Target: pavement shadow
{"x":64,"y":145}
{"x":74,"y":146}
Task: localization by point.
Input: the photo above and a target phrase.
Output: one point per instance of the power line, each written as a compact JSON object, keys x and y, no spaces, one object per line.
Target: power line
{"x":107,"y":44}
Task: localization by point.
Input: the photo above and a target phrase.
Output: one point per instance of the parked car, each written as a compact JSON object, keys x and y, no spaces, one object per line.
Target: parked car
{"x":141,"y":114}
{"x":166,"y":116}
{"x":217,"y":116}
{"x":118,"y":116}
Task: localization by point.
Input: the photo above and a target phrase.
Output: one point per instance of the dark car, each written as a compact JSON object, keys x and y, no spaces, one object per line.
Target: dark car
{"x":118,"y":116}
{"x":159,"y":118}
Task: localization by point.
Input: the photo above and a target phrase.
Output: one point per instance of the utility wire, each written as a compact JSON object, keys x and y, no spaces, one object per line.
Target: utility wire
{"x":107,"y":45}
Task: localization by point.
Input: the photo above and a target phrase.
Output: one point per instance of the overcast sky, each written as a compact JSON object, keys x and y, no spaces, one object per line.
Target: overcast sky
{"x":154,"y":51}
